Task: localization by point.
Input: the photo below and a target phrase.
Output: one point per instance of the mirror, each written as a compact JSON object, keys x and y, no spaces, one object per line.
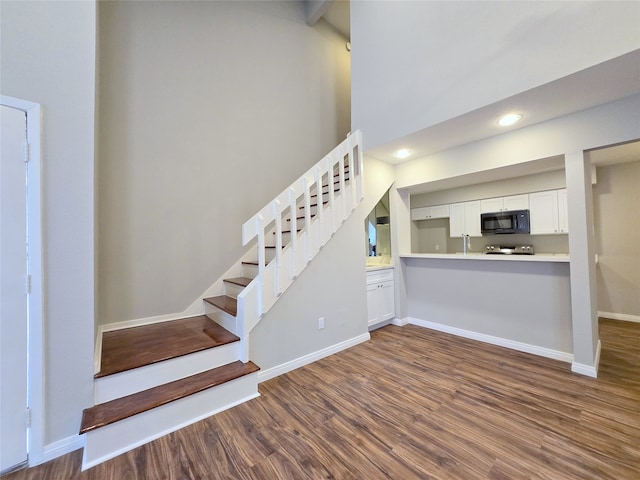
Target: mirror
{"x":377,"y":229}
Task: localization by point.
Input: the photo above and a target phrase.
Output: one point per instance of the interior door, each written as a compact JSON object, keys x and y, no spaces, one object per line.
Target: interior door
{"x":13,"y":292}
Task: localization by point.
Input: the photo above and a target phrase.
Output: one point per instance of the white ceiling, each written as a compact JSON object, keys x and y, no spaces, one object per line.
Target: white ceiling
{"x":627,"y":152}
{"x":609,"y":81}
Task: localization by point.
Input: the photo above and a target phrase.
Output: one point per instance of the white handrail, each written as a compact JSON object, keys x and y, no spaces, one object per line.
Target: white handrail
{"x":276,"y":276}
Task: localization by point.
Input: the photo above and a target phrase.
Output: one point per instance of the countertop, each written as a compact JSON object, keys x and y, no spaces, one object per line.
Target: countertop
{"x":538,"y":257}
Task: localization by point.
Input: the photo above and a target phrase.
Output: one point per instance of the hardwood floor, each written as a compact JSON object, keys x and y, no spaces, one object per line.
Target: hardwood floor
{"x":411,"y":404}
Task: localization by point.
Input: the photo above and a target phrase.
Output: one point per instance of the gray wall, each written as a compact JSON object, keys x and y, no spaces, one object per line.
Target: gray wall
{"x":207,"y":111}
{"x":416,"y":64}
{"x":526,"y":302}
{"x":332,"y":286}
{"x":616,"y":200}
{"x":48,"y":57}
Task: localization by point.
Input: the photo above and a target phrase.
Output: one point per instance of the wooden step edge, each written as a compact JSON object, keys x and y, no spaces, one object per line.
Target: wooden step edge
{"x":323,"y":193}
{"x":301,"y":218}
{"x":324,"y":185}
{"x":253,"y":263}
{"x":225,"y":303}
{"x":125,"y":407}
{"x":155,"y":352}
{"x":241,"y":281}
{"x":313,"y":205}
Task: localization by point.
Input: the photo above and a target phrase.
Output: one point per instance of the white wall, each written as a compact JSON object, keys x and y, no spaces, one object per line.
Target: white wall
{"x":48,"y":57}
{"x":333,"y":286}
{"x":416,"y":64}
{"x":616,"y":200}
{"x":207,"y":111}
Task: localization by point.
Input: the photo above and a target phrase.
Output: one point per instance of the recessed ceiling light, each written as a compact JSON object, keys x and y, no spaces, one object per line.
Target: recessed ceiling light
{"x":402,"y":153}
{"x":509,"y":119}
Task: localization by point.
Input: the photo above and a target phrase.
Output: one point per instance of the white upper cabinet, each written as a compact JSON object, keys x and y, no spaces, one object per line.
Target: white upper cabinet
{"x":500,"y":204}
{"x":516,"y":202}
{"x":563,"y":214}
{"x":489,"y":205}
{"x":464,"y":218}
{"x":548,"y":212}
{"x":429,"y":213}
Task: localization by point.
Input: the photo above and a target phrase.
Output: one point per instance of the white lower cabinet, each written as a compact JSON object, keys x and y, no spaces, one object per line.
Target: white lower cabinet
{"x":380,"y":296}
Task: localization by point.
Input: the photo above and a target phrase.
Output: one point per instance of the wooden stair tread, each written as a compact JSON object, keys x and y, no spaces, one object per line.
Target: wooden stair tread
{"x":242,"y":281}
{"x":224,"y":302}
{"x":250,"y":263}
{"x":302,"y":217}
{"x":313,"y":205}
{"x":125,"y":407}
{"x":136,"y":347}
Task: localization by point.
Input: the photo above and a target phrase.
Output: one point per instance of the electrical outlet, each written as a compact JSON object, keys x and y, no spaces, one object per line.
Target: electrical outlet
{"x":320,"y":323}
{"x":437,"y":247}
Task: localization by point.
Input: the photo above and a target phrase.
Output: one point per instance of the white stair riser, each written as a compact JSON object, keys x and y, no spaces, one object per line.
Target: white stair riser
{"x":125,"y":383}
{"x":232,"y":290}
{"x":222,"y":318}
{"x":250,"y":271}
{"x":112,"y":440}
{"x":286,"y":238}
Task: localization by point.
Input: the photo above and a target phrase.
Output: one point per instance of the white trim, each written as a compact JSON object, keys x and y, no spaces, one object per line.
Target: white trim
{"x":110,"y":327}
{"x":34,"y":266}
{"x":620,"y":316}
{"x":501,"y":342}
{"x":588,"y":370}
{"x":264,"y":375}
{"x":380,"y":324}
{"x":62,"y":447}
{"x":400,"y":322}
{"x":97,"y":350}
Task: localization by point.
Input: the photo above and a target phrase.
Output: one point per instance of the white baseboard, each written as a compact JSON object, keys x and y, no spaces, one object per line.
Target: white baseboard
{"x":264,"y":375}
{"x":588,"y":370}
{"x":400,"y":322}
{"x":501,"y":342}
{"x":620,"y":316}
{"x":58,"y":448}
{"x":139,"y":322}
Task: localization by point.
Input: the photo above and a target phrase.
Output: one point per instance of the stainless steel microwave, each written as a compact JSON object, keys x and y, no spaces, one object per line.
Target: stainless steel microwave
{"x":498,"y":223}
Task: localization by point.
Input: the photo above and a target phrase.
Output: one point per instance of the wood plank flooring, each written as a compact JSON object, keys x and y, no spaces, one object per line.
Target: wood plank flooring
{"x":411,"y":404}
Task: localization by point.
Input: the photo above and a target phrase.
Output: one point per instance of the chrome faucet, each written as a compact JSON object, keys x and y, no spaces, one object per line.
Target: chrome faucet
{"x":466,"y":243}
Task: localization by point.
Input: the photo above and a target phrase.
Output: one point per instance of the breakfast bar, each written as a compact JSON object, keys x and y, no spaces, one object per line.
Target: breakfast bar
{"x":518,"y":301}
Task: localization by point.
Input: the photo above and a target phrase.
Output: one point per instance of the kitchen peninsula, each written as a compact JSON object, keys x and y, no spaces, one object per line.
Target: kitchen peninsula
{"x":518,"y":301}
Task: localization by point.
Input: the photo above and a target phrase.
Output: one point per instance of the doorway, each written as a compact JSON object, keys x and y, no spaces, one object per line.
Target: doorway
{"x":20,"y":285}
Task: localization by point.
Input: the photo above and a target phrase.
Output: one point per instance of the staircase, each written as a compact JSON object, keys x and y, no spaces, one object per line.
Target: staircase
{"x":157,"y":378}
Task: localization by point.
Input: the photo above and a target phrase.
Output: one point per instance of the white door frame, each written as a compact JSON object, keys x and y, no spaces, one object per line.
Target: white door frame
{"x":35,"y":354}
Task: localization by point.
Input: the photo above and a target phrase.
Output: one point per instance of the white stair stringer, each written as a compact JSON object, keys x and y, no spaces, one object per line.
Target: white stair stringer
{"x":117,"y":438}
{"x":138,"y":379}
